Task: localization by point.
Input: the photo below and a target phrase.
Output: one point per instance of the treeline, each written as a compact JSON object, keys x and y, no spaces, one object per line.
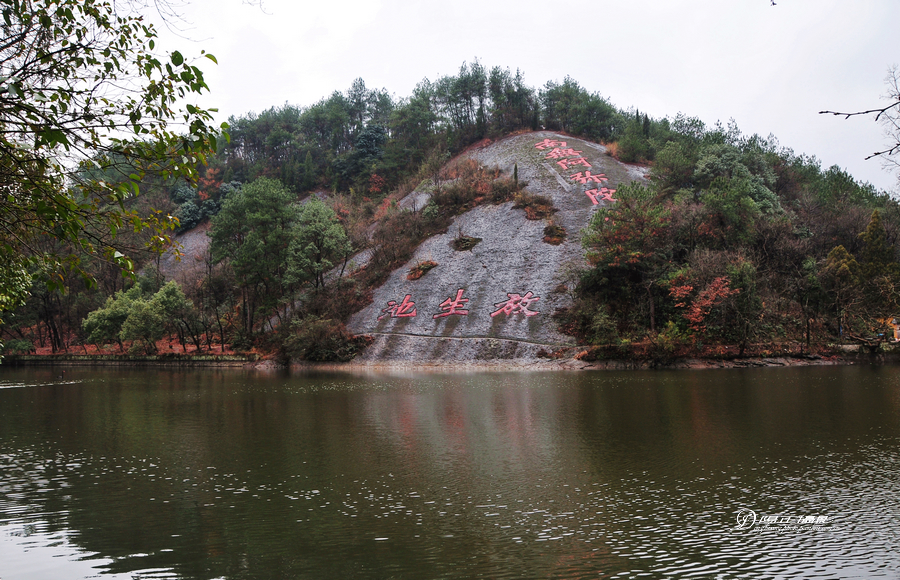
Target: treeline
{"x":366,"y":141}
{"x":735,"y":239}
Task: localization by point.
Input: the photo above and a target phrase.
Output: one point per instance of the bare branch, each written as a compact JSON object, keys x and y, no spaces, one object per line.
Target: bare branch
{"x":880,"y":112}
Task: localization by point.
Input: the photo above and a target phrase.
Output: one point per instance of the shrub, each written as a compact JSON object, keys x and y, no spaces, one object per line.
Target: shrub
{"x":183,"y":193}
{"x":396,"y":237}
{"x":536,"y":206}
{"x":188,"y":215}
{"x":17,"y":346}
{"x":554,"y":234}
{"x":464,"y":243}
{"x":420,"y":269}
{"x":472,"y":186}
{"x":319,"y":339}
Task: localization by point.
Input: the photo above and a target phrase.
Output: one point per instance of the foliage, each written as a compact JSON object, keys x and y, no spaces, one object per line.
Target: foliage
{"x":554,"y":234}
{"x":82,"y":89}
{"x":761,"y":243}
{"x":137,"y":316}
{"x":317,"y":339}
{"x":254,"y":231}
{"x":536,"y":206}
{"x":730,"y":243}
{"x":105,"y":324}
{"x":699,"y":307}
{"x":471,"y":184}
{"x":420,"y":269}
{"x":318,"y":242}
{"x":178,"y":314}
{"x":17,"y":346}
{"x":144,"y":326}
{"x":464,"y":243}
{"x":569,"y":107}
{"x":188,"y":215}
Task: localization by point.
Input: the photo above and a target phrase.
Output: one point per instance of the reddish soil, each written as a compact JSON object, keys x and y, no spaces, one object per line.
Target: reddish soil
{"x":164,"y":346}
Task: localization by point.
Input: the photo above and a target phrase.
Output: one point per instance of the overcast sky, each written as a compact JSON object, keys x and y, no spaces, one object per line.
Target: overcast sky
{"x":770,"y":68}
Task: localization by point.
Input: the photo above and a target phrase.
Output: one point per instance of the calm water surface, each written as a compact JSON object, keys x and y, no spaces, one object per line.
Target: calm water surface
{"x":226,"y":474}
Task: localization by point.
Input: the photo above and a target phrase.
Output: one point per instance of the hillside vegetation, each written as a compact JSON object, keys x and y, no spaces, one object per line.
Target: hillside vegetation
{"x":732,"y":240}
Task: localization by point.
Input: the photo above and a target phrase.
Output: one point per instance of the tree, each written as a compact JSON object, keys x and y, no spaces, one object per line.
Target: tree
{"x":319,"y":242}
{"x":880,"y":277}
{"x":631,"y":245}
{"x":145,"y":323}
{"x":178,"y":313}
{"x":104,"y":324}
{"x":841,"y":276}
{"x":253,"y":231}
{"x":877,"y":257}
{"x":82,"y":89}
{"x":745,"y":305}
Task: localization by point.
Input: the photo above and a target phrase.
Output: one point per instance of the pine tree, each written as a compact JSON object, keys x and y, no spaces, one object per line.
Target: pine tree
{"x":877,"y":257}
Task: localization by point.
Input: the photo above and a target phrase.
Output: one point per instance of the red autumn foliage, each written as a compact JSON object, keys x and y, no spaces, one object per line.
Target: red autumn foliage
{"x":376,"y":184}
{"x":209,"y":184}
{"x":699,"y":308}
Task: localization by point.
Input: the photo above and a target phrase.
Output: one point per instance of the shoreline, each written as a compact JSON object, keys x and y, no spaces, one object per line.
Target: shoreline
{"x":846,"y":355}
{"x":168,"y":359}
{"x":576,"y":365}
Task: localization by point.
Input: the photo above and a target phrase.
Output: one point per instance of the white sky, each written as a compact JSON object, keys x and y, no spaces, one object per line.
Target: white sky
{"x":771,"y":68}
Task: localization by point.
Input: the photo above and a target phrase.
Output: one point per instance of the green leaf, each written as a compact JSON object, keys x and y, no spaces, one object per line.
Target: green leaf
{"x":177,"y":59}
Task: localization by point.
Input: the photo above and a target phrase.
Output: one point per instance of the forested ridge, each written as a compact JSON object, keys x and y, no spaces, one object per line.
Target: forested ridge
{"x":733,"y":240}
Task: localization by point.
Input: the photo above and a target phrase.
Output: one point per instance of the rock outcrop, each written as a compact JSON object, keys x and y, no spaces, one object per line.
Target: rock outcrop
{"x":495,"y":301}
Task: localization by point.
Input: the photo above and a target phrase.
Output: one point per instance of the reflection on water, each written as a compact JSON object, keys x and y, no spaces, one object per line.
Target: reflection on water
{"x":224,"y":474}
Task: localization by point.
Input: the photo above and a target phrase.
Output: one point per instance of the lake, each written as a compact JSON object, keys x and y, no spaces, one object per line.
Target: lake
{"x":230,"y":474}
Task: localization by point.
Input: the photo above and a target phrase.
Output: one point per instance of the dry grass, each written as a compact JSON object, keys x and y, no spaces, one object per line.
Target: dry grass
{"x":612,"y":149}
{"x":554,"y":234}
{"x":536,"y":207}
{"x":464,"y":243}
{"x":420,"y":269}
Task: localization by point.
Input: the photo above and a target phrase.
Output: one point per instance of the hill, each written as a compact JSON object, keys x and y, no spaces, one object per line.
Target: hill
{"x":479,"y":219}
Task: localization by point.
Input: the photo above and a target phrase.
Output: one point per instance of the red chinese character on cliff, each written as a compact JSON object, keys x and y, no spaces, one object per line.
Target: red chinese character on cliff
{"x":453,"y":306}
{"x":566,"y":163}
{"x":516,"y":305}
{"x":558,"y":153}
{"x":602,"y":194}
{"x":548,"y":143}
{"x":406,"y":309}
{"x":585,"y":176}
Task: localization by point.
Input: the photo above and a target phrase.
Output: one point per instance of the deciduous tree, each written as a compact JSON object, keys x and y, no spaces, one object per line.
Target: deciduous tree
{"x":81,"y":88}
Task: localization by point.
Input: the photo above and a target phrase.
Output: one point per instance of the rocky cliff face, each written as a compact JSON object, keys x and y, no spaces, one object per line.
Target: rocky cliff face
{"x":494,"y":302}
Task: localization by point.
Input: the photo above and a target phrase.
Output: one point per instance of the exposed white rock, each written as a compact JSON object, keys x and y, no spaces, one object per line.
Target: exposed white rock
{"x":510,"y":262}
